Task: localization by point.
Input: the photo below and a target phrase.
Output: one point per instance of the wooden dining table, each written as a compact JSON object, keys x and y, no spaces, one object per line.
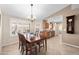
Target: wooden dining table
{"x":35,"y":39}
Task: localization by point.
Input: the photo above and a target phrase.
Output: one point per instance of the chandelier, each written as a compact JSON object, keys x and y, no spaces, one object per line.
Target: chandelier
{"x":32,"y":17}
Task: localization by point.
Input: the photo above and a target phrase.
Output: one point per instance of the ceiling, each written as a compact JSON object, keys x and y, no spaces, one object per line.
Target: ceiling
{"x":24,"y":10}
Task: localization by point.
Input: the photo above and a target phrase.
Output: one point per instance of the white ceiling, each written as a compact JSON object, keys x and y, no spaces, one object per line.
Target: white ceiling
{"x":23,"y":10}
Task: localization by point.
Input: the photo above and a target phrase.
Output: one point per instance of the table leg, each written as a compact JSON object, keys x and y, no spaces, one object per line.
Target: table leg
{"x":30,"y":48}
{"x":45,"y":44}
{"x":39,"y":46}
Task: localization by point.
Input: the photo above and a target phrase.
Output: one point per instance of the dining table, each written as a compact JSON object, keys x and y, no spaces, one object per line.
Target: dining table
{"x":33,"y":39}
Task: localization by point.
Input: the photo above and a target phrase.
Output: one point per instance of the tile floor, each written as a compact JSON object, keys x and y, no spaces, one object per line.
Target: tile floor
{"x":55,"y":47}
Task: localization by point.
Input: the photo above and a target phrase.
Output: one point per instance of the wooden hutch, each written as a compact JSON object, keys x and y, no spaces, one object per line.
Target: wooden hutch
{"x":48,"y":29}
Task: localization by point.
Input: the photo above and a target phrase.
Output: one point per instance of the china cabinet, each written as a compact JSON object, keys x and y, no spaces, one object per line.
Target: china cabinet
{"x":70,"y":24}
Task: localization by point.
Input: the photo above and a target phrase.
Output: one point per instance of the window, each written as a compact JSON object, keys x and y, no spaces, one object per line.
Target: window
{"x":18,"y":25}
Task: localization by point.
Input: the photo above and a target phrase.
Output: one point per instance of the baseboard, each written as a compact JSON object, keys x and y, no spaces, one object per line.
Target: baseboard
{"x":71,"y":45}
{"x":9,"y":43}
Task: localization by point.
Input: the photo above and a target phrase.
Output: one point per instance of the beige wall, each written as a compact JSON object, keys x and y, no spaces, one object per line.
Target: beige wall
{"x":6,"y":38}
{"x":73,"y":38}
{"x":68,"y":12}
{"x":0,"y":33}
{"x":0,"y":30}
{"x":5,"y":30}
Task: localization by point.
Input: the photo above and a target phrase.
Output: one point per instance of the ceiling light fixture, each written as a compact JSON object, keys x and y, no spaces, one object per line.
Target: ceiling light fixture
{"x":32,"y":17}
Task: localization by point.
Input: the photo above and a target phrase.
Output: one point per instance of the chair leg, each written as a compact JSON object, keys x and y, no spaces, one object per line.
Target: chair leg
{"x":22,"y":52}
{"x":26,"y":52}
{"x":36,"y":50}
{"x":43,"y":44}
{"x":19,"y":45}
{"x":22,"y":49}
{"x":39,"y":47}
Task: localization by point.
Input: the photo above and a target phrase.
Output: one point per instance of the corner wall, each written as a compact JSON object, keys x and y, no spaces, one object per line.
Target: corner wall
{"x":68,"y":12}
{"x":5,"y":30}
{"x":6,"y":38}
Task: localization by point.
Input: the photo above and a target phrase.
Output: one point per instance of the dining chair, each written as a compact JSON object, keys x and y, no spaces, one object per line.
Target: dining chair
{"x":41,"y":43}
{"x":26,"y":46}
{"x":19,"y":40}
{"x":21,"y":43}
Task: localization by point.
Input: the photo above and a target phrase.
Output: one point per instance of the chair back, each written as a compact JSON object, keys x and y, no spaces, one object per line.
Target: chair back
{"x":42,"y":35}
{"x":22,"y":39}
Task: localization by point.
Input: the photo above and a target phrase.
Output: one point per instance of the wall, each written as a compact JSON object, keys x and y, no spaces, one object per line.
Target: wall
{"x":6,"y":38}
{"x":0,"y":33}
{"x":0,"y":30}
{"x":71,"y":39}
{"x":5,"y":30}
{"x":68,"y":11}
{"x":38,"y":24}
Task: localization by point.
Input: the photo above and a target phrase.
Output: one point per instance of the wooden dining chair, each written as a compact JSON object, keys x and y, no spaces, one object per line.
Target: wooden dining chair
{"x":41,"y":43}
{"x":26,"y":46}
{"x":19,"y":40}
{"x":21,"y":47}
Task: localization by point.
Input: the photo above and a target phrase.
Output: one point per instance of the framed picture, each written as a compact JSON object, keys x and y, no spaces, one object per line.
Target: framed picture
{"x":70,"y":24}
{"x":13,"y":29}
